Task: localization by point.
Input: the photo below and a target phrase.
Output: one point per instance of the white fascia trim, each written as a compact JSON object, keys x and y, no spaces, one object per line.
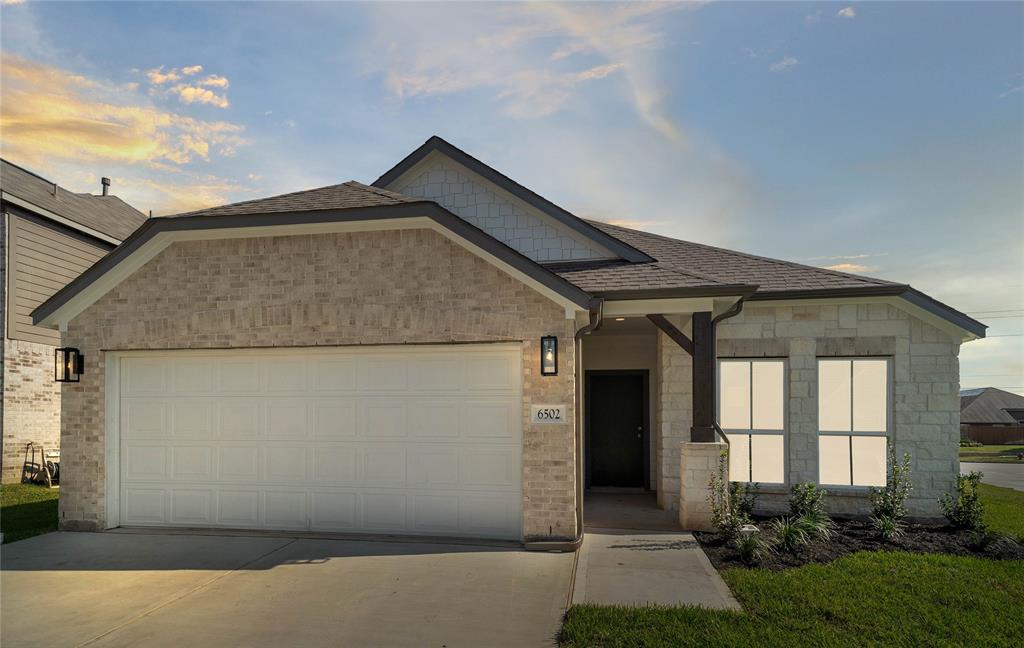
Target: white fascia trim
{"x":67,"y":222}
{"x":894,"y":300}
{"x":146,"y":252}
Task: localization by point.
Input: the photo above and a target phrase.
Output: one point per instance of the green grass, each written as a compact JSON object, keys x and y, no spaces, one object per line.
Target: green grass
{"x":1004,"y":509}
{"x":868,"y":598}
{"x":27,"y":510}
{"x":992,"y":454}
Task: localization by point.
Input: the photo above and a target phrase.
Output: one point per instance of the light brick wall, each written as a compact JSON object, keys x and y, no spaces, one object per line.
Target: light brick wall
{"x":504,"y":217}
{"x":698,"y":461}
{"x":390,"y":287}
{"x":926,"y":404}
{"x":674,"y":416}
{"x":31,"y":403}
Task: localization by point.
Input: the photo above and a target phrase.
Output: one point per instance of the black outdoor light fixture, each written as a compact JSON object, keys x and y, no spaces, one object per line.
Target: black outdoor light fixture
{"x":549,"y":355}
{"x":68,"y":364}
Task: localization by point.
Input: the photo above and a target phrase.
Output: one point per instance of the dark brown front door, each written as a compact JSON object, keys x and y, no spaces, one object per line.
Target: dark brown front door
{"x":617,"y":422}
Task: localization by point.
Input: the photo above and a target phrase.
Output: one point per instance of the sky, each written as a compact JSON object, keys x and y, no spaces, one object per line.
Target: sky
{"x":884,"y":139}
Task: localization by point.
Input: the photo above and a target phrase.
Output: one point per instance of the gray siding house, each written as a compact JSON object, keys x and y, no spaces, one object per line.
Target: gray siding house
{"x":445,"y":352}
{"x":48,"y":236}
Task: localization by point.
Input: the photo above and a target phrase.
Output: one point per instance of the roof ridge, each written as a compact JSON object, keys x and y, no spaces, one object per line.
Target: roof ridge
{"x":381,"y":192}
{"x":747,"y":255}
{"x":255,"y":200}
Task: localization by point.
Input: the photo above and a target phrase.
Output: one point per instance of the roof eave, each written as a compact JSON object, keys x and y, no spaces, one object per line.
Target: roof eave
{"x":737,"y":290}
{"x":435,"y":143}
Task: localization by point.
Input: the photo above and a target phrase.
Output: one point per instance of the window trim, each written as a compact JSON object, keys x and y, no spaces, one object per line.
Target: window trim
{"x":890,"y":409}
{"x":784,"y":432}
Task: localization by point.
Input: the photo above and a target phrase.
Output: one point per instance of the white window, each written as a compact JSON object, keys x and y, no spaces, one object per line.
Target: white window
{"x":853,"y":421}
{"x":752,"y":413}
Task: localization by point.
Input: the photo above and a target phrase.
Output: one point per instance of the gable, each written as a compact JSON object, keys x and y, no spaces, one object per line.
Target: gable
{"x":504,"y":216}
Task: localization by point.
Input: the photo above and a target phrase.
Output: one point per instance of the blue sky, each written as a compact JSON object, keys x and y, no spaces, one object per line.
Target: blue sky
{"x":881,"y":138}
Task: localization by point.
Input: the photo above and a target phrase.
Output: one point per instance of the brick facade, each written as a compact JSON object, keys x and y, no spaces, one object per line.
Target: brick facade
{"x":388,"y":287}
{"x":926,"y":403}
{"x":31,"y":403}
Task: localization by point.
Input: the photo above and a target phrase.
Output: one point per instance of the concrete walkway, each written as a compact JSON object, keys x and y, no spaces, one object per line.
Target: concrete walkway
{"x":622,"y":567}
{"x":998,"y":474}
{"x":173,"y":590}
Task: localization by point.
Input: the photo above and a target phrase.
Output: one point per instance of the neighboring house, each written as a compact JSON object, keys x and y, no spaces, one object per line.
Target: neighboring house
{"x":991,"y":415}
{"x":380,"y":359}
{"x":48,"y":236}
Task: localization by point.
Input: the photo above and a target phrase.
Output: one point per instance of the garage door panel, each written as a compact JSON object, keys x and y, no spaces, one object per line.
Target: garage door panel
{"x":287,"y":419}
{"x":336,"y":464}
{"x":335,"y":419}
{"x":192,"y":507}
{"x":238,"y":418}
{"x":192,"y":463}
{"x":387,"y":440}
{"x":335,"y":511}
{"x":238,"y":508}
{"x":383,"y":511}
{"x":238,"y":463}
{"x":285,"y":509}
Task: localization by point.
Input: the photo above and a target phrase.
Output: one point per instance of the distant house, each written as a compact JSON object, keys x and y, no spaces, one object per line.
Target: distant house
{"x":991,"y":415}
{"x":48,"y":236}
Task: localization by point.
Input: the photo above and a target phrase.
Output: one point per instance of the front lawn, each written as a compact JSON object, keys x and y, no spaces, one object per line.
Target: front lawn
{"x":27,"y":510}
{"x":869,"y":598}
{"x":992,"y":454}
{"x":1004,"y":509}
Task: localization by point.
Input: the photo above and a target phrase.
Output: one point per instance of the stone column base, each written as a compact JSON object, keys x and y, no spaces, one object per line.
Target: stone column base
{"x":697,"y":462}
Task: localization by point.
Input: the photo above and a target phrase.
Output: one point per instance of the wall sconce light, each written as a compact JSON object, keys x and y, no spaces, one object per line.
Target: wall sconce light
{"x":68,"y":365}
{"x":549,"y":355}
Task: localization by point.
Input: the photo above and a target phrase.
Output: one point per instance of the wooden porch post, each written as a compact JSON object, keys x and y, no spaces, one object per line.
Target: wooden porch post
{"x":703,"y":430}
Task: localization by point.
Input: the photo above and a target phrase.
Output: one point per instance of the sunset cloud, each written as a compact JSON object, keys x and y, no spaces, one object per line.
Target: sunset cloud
{"x":855,"y":268}
{"x":847,"y":12}
{"x":194,"y":94}
{"x":49,"y":113}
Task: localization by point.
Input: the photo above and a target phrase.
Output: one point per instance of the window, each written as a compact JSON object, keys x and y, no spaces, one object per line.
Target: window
{"x":751,"y":411}
{"x":853,"y":421}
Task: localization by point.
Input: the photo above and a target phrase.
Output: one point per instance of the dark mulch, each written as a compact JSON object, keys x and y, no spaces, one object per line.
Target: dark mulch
{"x":851,"y":536}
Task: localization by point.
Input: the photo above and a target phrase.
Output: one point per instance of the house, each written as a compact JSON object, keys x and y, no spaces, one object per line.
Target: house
{"x":446,"y":352}
{"x":49,"y":235}
{"x":991,"y":415}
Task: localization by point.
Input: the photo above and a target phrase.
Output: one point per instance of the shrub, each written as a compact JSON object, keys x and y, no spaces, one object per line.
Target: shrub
{"x":889,"y":503}
{"x":731,"y":503}
{"x":888,"y":528}
{"x":818,"y":526}
{"x":982,"y":538}
{"x":751,"y":547}
{"x":807,"y":500}
{"x":970,"y":443}
{"x":964,"y":511}
{"x":790,"y":533}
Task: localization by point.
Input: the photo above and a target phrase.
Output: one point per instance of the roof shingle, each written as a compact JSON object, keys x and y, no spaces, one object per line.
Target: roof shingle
{"x":347,"y":195}
{"x":106,"y":214}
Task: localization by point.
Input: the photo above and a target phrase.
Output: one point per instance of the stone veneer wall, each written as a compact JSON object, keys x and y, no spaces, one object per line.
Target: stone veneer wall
{"x":389,"y":287}
{"x":503,"y":217}
{"x":31,"y":404}
{"x":674,"y":416}
{"x":926,"y":403}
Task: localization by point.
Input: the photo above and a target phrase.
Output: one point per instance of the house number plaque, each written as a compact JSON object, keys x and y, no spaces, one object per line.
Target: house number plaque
{"x":548,"y":414}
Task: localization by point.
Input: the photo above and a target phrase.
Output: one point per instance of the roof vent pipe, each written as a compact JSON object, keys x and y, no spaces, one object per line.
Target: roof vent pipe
{"x":106,"y":185}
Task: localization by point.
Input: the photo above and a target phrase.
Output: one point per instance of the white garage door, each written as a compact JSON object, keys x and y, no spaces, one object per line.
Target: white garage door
{"x":423,"y":440}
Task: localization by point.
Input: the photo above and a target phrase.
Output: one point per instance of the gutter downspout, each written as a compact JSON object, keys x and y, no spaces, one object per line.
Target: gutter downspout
{"x":596,"y":314}
{"x":733,"y":311}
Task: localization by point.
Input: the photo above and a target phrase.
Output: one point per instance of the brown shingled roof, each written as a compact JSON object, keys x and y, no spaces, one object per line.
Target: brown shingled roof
{"x":728,"y":267}
{"x":347,"y":195}
{"x":105,"y":214}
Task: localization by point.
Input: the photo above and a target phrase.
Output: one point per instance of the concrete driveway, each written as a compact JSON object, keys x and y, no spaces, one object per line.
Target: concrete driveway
{"x":128,"y":589}
{"x":1006,"y":475}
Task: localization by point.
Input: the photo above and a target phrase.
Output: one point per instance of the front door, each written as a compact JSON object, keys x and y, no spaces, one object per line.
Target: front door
{"x":617,"y":423}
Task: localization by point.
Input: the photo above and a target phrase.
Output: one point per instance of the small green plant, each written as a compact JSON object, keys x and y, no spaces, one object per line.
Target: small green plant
{"x":889,"y":503}
{"x":790,"y":533}
{"x":970,"y":443}
{"x":751,"y":547}
{"x":807,"y":500}
{"x":818,"y":526}
{"x":888,"y":528}
{"x":981,"y":538}
{"x":965,"y":510}
{"x":731,"y":502}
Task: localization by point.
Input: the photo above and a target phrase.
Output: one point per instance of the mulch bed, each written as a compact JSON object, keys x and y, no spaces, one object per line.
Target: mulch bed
{"x":853,"y":535}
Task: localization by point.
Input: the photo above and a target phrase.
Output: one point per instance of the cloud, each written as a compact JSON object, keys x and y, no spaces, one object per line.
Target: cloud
{"x":192,"y":69}
{"x":157,"y":76}
{"x":784,"y":64}
{"x":856,"y":268}
{"x":847,"y":12}
{"x":534,"y":59}
{"x":194,"y":94}
{"x":48,"y":113}
{"x":215,"y":81}
{"x":12,"y":2}
{"x":812,"y":19}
